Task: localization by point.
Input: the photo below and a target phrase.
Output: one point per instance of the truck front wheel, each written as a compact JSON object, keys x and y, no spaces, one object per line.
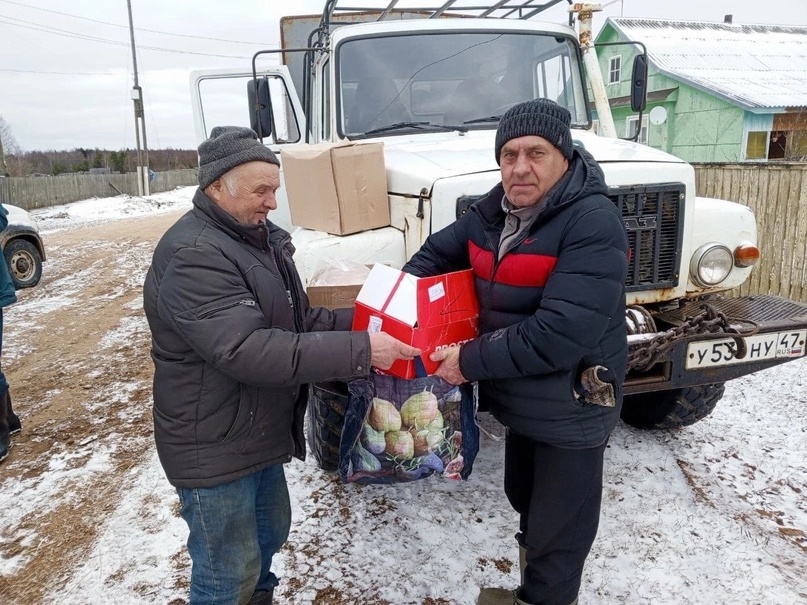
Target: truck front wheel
{"x":671,"y":409}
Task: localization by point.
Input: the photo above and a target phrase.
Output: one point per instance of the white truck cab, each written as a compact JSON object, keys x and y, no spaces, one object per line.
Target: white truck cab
{"x":433,"y":87}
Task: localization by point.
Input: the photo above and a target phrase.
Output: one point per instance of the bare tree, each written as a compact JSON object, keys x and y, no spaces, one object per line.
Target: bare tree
{"x":8,"y":144}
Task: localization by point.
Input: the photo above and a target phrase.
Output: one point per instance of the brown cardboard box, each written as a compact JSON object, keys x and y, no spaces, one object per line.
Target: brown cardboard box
{"x":339,"y":189}
{"x":333,"y":297}
{"x":335,"y":285}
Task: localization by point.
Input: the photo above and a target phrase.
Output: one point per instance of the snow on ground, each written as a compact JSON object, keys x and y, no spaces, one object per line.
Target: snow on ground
{"x":713,"y":514}
{"x":690,"y":518}
{"x":99,"y":210}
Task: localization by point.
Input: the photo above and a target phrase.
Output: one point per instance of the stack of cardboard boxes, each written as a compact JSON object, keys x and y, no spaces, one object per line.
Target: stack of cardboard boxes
{"x":342,"y":189}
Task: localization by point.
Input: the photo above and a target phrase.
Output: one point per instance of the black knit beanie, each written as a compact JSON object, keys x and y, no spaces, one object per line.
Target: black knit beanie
{"x":228,"y":147}
{"x":539,"y":117}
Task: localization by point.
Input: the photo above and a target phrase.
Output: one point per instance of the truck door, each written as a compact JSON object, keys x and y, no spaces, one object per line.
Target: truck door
{"x":219,"y":98}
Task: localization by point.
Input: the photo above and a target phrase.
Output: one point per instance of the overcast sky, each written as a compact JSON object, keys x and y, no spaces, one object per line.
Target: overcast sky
{"x":66,"y":67}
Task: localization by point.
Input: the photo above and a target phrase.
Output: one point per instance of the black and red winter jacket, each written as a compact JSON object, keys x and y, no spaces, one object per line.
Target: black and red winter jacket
{"x":551,"y":307}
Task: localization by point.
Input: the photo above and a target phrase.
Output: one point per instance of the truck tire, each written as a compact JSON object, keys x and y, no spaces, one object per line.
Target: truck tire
{"x":671,"y":409}
{"x":24,"y":263}
{"x":325,"y":418}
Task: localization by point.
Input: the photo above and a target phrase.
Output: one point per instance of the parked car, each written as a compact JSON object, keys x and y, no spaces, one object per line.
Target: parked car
{"x":22,"y":247}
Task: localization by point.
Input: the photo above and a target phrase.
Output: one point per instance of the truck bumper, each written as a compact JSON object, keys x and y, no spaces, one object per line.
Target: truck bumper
{"x":705,"y":359}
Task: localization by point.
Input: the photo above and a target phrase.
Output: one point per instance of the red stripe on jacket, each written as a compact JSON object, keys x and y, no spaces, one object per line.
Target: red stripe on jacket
{"x":515,"y":269}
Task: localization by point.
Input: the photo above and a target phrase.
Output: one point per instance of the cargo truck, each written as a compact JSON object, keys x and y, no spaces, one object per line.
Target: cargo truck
{"x":432,"y":86}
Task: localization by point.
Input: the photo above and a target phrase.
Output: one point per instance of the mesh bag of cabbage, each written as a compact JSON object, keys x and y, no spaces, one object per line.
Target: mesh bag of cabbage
{"x":399,"y":430}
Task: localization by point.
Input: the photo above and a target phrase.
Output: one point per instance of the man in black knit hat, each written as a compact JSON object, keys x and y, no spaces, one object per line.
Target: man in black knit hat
{"x":549,"y":255}
{"x":234,"y":343}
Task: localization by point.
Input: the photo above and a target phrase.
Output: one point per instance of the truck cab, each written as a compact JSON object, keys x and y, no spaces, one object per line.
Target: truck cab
{"x":432,"y":88}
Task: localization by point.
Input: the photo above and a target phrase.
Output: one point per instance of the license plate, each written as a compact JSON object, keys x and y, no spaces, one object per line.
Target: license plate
{"x":710,"y":353}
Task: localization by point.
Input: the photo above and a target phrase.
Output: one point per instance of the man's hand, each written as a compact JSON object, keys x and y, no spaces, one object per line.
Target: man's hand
{"x":449,"y":370}
{"x":386,"y":350}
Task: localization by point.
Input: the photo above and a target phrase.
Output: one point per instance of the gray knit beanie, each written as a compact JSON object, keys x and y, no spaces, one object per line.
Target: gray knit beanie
{"x":539,"y":117}
{"x":228,"y":147}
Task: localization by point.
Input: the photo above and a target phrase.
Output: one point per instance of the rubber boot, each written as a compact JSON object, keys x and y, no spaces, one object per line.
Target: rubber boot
{"x":500,"y":596}
{"x":522,"y":564}
{"x":262,"y":598}
{"x":517,"y":601}
{"x":5,"y":442}
{"x":496,"y":596}
{"x":14,"y":424}
{"x":522,"y":561}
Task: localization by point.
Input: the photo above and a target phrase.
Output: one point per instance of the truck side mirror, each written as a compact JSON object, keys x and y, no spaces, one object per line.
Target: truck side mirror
{"x":638,"y":87}
{"x":260,"y":107}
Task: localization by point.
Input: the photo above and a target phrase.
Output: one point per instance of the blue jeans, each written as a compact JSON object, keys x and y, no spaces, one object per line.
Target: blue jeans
{"x":235,"y":530}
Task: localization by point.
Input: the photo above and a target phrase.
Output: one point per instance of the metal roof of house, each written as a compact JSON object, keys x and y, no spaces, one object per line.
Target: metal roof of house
{"x":753,"y":66}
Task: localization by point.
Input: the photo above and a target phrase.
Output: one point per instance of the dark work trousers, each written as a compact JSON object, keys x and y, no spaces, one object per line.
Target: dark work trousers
{"x":557,"y":492}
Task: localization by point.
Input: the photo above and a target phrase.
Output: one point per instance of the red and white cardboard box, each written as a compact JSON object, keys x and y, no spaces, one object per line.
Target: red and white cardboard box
{"x":426,"y":312}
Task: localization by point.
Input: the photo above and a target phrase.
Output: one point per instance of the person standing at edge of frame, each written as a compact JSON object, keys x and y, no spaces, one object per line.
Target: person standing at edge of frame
{"x":9,"y":421}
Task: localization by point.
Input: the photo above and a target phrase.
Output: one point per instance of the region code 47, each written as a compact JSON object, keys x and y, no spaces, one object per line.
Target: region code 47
{"x":708,"y":353}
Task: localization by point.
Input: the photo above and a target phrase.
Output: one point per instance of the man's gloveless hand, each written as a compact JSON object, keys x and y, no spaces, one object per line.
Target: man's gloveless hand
{"x":386,"y":350}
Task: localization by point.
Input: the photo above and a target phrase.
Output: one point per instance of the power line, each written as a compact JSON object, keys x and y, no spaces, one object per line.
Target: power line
{"x":140,"y":118}
{"x":64,"y":73}
{"x":153,"y":31}
{"x":62,"y":32}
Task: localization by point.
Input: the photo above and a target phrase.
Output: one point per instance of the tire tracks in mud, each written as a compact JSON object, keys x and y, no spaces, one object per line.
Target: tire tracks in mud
{"x":77,"y":359}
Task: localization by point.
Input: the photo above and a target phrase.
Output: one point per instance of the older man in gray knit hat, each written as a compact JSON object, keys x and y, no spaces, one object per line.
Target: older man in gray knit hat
{"x":549,"y":255}
{"x":234,"y":344}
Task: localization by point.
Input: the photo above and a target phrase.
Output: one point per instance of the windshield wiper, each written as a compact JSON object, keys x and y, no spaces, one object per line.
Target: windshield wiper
{"x":485,"y":119}
{"x":418,"y":126}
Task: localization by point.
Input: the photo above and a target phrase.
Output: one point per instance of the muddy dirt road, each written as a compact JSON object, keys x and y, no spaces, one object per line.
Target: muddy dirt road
{"x":80,"y":378}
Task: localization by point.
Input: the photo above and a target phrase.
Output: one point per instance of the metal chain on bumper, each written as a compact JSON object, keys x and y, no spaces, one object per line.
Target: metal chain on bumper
{"x":708,"y":321}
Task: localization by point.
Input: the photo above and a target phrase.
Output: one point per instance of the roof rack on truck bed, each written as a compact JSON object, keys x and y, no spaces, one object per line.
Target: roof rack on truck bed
{"x":503,"y":9}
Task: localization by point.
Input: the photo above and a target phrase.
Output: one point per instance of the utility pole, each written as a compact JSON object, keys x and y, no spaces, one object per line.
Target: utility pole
{"x":140,"y":119}
{"x":3,"y":170}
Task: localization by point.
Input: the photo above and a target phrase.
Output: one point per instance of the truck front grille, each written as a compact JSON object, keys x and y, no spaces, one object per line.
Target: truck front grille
{"x":654,"y":219}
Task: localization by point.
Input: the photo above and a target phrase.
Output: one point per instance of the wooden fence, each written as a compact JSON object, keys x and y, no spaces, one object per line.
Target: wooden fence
{"x":777,"y":193}
{"x":778,"y":196}
{"x":41,"y":191}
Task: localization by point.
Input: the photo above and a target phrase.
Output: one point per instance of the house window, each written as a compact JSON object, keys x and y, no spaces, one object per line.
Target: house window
{"x":595,"y":126}
{"x":615,"y":69}
{"x":757,"y":146}
{"x":798,"y":146}
{"x":630,"y":128}
{"x":777,"y":147}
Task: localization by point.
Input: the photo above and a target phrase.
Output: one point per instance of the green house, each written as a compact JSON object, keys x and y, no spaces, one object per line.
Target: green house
{"x":717,"y":92}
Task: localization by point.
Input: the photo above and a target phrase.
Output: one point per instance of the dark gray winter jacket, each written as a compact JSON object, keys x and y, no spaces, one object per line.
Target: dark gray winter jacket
{"x":550,"y":307}
{"x":234,"y":342}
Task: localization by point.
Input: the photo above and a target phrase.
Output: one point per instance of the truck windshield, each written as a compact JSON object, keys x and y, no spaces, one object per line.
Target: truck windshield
{"x":460,"y":78}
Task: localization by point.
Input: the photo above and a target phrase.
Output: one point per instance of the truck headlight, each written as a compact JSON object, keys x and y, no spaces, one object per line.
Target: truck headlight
{"x":711,"y":264}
